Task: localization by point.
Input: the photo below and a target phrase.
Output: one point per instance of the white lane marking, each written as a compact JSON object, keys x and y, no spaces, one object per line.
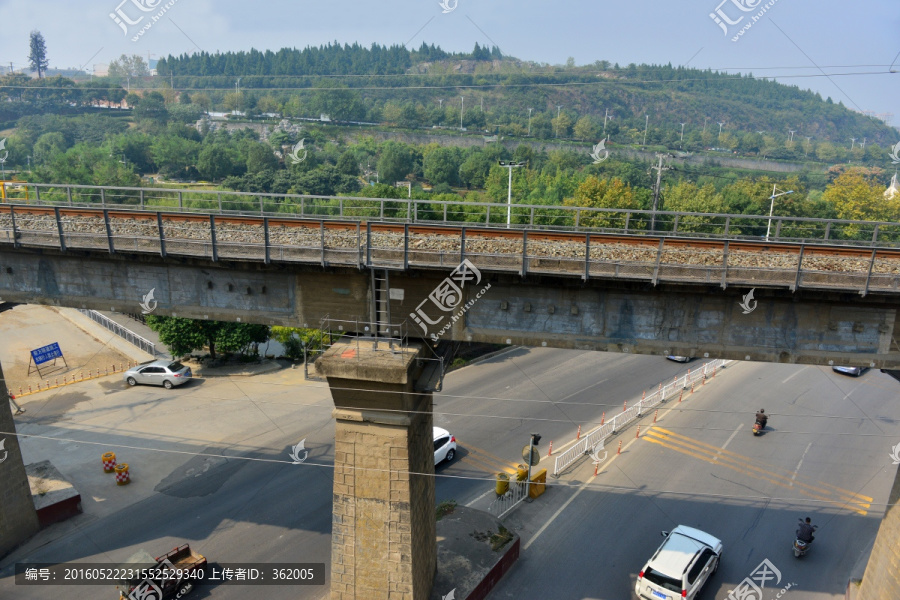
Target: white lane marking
{"x":538,"y":533}
{"x":792,"y":376}
{"x":728,"y":441}
{"x":800,"y":463}
{"x":480,"y":497}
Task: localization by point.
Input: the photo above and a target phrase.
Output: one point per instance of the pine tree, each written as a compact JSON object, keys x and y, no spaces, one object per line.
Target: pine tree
{"x":38,"y":55}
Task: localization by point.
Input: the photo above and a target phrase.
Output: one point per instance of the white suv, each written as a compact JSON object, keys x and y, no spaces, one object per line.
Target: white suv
{"x":683,"y":563}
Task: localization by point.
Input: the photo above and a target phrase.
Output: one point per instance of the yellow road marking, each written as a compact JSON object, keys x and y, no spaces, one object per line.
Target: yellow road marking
{"x":768,"y":469}
{"x":485,"y":460}
{"x":473,"y":460}
{"x":742,"y":468}
{"x":487,"y":454}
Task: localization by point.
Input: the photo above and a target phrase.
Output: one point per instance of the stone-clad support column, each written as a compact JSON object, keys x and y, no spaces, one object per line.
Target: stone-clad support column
{"x":383,"y":533}
{"x":18,"y":517}
{"x":882,"y":579}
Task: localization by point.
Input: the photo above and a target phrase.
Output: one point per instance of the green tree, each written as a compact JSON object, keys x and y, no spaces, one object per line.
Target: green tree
{"x":686,"y":196}
{"x":347,"y":164}
{"x":827,"y":152}
{"x":48,"y":145}
{"x":856,"y":198}
{"x":561,"y":125}
{"x":396,"y":162}
{"x":37,"y":57}
{"x":268,"y":104}
{"x":183,"y":336}
{"x":202,"y":100}
{"x":585,"y":128}
{"x":605,"y":193}
{"x":260,"y":158}
{"x":150,"y":108}
{"x":442,"y":166}
{"x":234,"y":101}
{"x":216,"y":162}
{"x":126,"y":67}
{"x":474,"y":170}
{"x":173,"y":154}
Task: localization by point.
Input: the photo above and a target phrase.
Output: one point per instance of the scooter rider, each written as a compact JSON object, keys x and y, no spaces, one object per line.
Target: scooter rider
{"x":762,"y":418}
{"x":805,"y":531}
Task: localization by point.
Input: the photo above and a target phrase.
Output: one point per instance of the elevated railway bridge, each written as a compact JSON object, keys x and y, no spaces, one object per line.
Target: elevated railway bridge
{"x":417,"y":275}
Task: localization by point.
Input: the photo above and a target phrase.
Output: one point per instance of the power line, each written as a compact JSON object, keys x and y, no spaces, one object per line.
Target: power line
{"x":623,"y":82}
{"x":557,"y":484}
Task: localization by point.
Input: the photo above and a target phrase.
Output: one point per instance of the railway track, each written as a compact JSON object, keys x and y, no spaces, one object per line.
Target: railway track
{"x":364,"y":244}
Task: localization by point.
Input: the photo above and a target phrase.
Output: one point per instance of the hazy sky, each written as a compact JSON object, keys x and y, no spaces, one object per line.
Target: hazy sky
{"x":790,"y":39}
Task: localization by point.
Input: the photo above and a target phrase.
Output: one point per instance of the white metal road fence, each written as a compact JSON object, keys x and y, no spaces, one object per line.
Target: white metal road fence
{"x":123,"y":332}
{"x":597,"y":436}
{"x":518,"y":491}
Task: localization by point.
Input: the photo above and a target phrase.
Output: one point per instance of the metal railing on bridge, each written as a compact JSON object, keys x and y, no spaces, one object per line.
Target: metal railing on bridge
{"x":598,"y":436}
{"x":527,"y":216}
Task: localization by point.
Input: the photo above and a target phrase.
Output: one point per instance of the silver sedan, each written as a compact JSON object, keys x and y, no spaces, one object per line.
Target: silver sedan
{"x":166,"y":373}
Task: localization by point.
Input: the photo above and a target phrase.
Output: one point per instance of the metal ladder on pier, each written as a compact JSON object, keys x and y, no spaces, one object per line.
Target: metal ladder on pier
{"x":380,"y":317}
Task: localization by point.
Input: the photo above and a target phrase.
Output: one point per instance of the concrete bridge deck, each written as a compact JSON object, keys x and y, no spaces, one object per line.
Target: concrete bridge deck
{"x":327,"y":243}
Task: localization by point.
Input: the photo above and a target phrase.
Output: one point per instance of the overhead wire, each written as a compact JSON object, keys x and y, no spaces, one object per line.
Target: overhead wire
{"x":570,"y":84}
{"x":557,"y":484}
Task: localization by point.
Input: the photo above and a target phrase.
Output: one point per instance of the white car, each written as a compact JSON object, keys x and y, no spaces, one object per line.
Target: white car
{"x":683,"y":563}
{"x":444,"y":446}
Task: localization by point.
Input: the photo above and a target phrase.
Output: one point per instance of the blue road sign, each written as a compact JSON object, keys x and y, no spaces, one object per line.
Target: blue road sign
{"x":46,"y":354}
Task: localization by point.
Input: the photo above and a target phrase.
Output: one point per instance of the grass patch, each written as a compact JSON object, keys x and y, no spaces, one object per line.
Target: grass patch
{"x":496,"y":540}
{"x":501,"y":538}
{"x":444,"y":508}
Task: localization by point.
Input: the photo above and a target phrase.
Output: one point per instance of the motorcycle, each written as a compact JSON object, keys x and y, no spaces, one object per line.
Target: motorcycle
{"x":758,"y":428}
{"x":800,"y":547}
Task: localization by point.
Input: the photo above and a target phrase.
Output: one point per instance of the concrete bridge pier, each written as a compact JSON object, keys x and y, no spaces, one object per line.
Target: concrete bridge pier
{"x":383,"y":533}
{"x":18,"y":517}
{"x":882,"y":579}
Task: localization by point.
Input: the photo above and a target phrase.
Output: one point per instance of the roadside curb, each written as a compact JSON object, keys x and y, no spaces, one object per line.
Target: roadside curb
{"x":266,"y":366}
{"x":66,"y":381}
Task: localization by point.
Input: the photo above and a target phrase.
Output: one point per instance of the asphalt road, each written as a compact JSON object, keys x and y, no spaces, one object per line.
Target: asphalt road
{"x":830,"y":437}
{"x":826,"y":456}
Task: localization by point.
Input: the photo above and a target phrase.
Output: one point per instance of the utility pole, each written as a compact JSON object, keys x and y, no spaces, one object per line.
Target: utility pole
{"x":720,"y":130}
{"x":558,"y":107}
{"x":462,"y":110}
{"x":864,"y":143}
{"x":807,"y":145}
{"x":792,"y":134}
{"x":509,"y":165}
{"x":705,"y":121}
{"x":535,"y":440}
{"x":646,"y":126}
{"x":604,"y":122}
{"x":852,"y":142}
{"x":682,"y":134}
{"x":659,"y":169}
{"x":529,"y":121}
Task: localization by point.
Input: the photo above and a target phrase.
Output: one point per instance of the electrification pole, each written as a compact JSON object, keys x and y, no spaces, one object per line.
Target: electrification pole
{"x":659,"y":169}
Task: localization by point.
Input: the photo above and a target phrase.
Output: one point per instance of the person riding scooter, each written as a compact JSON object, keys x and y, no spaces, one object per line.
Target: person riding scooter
{"x":806,"y":530}
{"x":762,"y":418}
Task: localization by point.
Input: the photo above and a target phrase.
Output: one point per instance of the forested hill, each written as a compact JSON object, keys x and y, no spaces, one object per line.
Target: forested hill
{"x":414,"y":83}
{"x":331,"y":59}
